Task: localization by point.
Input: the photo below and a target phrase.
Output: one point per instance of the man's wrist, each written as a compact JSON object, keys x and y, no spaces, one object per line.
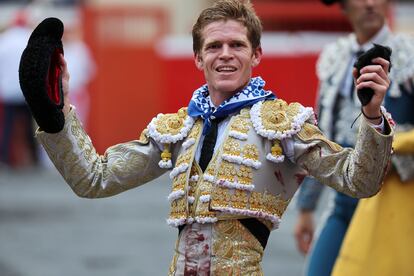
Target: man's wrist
{"x":374,"y":118}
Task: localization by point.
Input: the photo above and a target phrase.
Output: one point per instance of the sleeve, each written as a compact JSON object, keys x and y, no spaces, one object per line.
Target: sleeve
{"x":356,"y":172}
{"x":122,"y":167}
{"x":309,"y":194}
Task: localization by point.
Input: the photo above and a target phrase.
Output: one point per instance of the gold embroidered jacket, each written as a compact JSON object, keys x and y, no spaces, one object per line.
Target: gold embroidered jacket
{"x":266,"y":152}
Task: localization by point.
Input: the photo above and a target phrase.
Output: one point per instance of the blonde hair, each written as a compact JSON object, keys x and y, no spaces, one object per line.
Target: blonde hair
{"x":239,"y":10}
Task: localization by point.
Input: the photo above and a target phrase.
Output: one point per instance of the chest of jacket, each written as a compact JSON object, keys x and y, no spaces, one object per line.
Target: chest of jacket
{"x":248,"y":176}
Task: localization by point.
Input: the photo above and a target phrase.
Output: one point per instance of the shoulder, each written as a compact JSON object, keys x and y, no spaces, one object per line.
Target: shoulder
{"x":171,"y":127}
{"x":276,"y":119}
{"x":402,"y":57}
{"x":333,"y":55}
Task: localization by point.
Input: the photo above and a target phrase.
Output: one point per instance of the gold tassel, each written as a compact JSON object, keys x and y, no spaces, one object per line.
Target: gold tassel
{"x":166,"y":154}
{"x":276,"y":148}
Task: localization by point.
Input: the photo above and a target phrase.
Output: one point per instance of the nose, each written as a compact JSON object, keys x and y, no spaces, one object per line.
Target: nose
{"x":369,"y":3}
{"x":226,"y":52}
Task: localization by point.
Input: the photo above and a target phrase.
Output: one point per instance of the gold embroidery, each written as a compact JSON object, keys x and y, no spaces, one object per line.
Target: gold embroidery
{"x":192,"y":185}
{"x":245,"y":175}
{"x":239,"y":199}
{"x":245,"y":113}
{"x":184,"y":158}
{"x":195,"y":130}
{"x":311,"y":132}
{"x":251,"y":152}
{"x":227,"y":171}
{"x":277,"y":115}
{"x":173,"y":264}
{"x":276,"y":149}
{"x":255,"y":201}
{"x":240,"y":124}
{"x":202,"y":209}
{"x":221,"y":197}
{"x":166,"y":154}
{"x":178,"y":208}
{"x":231,"y":147}
{"x":268,"y":203}
{"x":171,"y":123}
{"x":235,"y":251}
{"x":179,"y":182}
{"x":249,"y":201}
{"x":143,"y":138}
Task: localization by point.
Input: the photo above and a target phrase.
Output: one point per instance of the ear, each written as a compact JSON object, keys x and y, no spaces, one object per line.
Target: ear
{"x":198,"y":60}
{"x":257,"y":56}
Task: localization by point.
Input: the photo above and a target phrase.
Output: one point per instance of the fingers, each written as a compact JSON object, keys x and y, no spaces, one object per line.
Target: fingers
{"x":373,"y":85}
{"x":303,"y":240}
{"x":384,"y":63}
{"x":375,"y":73}
{"x":355,"y":73}
{"x":62,"y":61}
{"x":374,"y":76}
{"x":65,"y":84}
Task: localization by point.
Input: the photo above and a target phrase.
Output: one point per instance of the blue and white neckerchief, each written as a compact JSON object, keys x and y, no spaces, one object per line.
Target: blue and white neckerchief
{"x":200,"y":104}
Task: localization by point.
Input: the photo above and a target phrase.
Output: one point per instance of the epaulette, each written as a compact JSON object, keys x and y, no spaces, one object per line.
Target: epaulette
{"x":277,"y":120}
{"x":168,"y":129}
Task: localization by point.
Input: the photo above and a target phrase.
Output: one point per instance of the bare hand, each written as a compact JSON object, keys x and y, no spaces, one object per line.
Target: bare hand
{"x":65,"y":84}
{"x":304,"y":231}
{"x":374,"y":77}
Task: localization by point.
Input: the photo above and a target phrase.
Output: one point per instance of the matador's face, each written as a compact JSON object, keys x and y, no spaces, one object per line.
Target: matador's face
{"x":226,"y":57}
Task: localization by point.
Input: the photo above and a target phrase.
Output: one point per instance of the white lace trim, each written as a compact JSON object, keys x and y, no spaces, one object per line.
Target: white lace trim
{"x":205,"y":198}
{"x":232,"y":158}
{"x":238,"y":135}
{"x":189,"y":143}
{"x":209,"y":178}
{"x":180,"y":221}
{"x":252,"y":163}
{"x":275,"y":159}
{"x":194,"y":178}
{"x":191,"y":199}
{"x":240,"y":160}
{"x":176,"y":222}
{"x":257,"y":214}
{"x":177,"y":170}
{"x":175,"y":195}
{"x":304,"y":114}
{"x":169,"y":138}
{"x":165,"y":164}
{"x":388,"y":116}
{"x":204,"y":220}
{"x":235,"y":185}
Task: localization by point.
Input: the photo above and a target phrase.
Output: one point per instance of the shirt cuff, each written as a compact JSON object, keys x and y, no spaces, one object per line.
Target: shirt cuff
{"x":379,"y":127}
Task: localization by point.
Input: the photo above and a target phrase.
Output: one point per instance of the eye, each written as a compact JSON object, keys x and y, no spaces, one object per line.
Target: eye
{"x":237,"y":44}
{"x":213,"y":46}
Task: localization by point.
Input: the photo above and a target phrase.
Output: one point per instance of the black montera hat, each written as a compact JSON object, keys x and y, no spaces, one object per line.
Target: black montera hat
{"x":41,"y":76}
{"x":329,"y":2}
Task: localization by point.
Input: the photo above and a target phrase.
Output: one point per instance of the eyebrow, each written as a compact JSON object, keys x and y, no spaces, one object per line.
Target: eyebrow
{"x":220,"y":42}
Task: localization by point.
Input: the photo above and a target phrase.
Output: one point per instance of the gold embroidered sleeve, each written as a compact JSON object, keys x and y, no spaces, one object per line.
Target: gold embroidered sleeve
{"x":122,"y":167}
{"x":357,"y":172}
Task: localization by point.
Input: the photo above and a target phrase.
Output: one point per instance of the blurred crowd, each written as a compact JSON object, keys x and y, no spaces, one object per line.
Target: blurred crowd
{"x":18,"y":147}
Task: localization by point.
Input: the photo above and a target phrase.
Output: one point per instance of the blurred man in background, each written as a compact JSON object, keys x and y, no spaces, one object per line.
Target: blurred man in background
{"x":16,"y":114}
{"x":338,"y":107}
